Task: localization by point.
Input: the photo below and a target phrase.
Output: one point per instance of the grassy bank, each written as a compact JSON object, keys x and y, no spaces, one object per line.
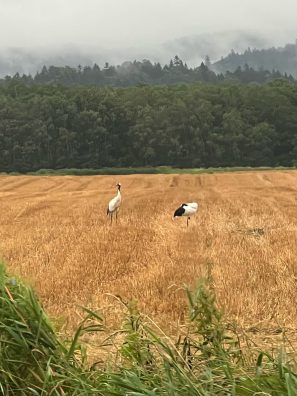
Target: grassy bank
{"x":205,"y":359}
{"x":145,"y":170}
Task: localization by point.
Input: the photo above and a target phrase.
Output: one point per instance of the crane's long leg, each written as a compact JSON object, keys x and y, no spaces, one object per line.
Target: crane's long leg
{"x":111,"y":218}
{"x":188,"y":221}
{"x":116,"y":216}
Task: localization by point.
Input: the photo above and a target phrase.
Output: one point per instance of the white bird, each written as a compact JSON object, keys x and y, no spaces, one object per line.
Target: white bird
{"x":114,"y":204}
{"x":186,"y":209}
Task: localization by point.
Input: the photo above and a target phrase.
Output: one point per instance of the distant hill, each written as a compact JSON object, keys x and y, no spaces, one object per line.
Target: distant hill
{"x":193,"y":49}
{"x":283,"y":59}
{"x":143,"y":72}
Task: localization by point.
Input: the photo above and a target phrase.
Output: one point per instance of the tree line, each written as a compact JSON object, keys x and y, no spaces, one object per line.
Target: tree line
{"x":282,"y":58}
{"x":146,"y":72}
{"x":188,"y":125}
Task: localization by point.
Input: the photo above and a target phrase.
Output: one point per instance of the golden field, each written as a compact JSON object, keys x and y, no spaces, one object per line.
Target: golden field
{"x":55,"y":234}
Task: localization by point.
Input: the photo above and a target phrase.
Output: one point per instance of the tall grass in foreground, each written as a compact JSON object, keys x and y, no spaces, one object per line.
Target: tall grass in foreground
{"x":206,"y":360}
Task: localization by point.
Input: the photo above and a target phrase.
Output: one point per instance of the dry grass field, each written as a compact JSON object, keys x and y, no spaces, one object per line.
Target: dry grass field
{"x":55,"y":234}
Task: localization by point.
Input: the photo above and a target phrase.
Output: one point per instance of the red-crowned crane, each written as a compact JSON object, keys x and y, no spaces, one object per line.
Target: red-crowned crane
{"x":186,"y":209}
{"x":114,"y":204}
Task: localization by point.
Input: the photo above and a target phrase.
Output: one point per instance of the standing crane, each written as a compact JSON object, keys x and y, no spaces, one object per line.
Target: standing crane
{"x":114,"y":204}
{"x":186,"y":209}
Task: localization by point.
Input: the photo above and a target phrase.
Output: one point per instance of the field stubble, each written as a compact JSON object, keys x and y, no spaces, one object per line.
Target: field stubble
{"x":55,"y":233}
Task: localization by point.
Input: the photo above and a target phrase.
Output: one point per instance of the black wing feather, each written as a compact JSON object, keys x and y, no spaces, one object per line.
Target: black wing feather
{"x":179,"y":212}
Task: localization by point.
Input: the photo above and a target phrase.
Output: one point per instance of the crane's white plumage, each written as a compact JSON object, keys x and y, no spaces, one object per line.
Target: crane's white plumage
{"x":115,"y":203}
{"x":186,"y":209}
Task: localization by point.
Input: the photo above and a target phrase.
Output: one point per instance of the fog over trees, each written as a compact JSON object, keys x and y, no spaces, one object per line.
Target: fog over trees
{"x":109,"y":83}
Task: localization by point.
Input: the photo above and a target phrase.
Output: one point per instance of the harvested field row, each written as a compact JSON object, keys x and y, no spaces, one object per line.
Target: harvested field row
{"x":54,"y":233}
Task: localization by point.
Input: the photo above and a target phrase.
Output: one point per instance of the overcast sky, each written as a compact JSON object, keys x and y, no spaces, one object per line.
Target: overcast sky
{"x":136,"y":23}
{"x":34,"y":33}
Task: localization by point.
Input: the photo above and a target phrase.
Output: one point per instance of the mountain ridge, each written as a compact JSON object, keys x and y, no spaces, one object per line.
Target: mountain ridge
{"x":280,"y":58}
{"x":191,"y":48}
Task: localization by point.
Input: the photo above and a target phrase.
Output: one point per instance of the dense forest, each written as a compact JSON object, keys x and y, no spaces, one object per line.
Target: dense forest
{"x":186,"y":125}
{"x":145,"y":72}
{"x":283,"y":59}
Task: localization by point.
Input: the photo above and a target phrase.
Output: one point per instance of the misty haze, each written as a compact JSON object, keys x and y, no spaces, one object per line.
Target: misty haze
{"x":36,"y":33}
{"x":148,"y":200}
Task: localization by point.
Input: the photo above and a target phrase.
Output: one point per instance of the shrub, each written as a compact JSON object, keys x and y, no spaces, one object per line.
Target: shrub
{"x":206,"y":361}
